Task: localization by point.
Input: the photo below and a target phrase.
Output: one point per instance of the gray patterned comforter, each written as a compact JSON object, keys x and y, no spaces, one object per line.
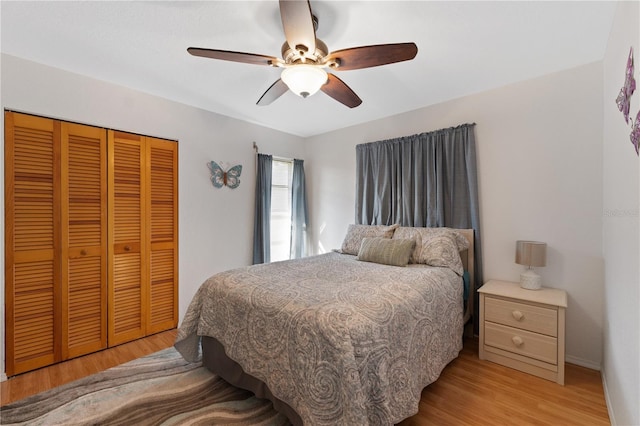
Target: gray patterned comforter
{"x":340,"y":340}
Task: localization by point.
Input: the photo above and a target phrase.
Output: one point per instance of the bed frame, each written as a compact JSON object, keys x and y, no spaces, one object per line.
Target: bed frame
{"x":468,"y":257}
{"x":215,"y":359}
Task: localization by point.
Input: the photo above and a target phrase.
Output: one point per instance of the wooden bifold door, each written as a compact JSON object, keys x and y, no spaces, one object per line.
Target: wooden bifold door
{"x":142,"y":236}
{"x":90,"y":239}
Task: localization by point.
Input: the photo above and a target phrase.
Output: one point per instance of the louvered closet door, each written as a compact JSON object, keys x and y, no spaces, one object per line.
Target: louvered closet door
{"x":128,"y":296}
{"x":32,"y":216}
{"x":84,"y":239}
{"x":163,"y":205}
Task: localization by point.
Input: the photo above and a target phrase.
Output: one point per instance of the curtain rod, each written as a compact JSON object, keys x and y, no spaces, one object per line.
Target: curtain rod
{"x":288,"y":160}
{"x":284,"y":160}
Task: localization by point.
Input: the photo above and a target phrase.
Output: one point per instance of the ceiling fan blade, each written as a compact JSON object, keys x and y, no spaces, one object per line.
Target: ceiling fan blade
{"x":372,"y":56}
{"x":339,"y":91}
{"x":297,"y":22}
{"x":276,"y":90}
{"x":227,"y":55}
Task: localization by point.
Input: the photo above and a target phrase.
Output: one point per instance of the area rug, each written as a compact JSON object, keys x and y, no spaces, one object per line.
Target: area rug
{"x":159,"y":389}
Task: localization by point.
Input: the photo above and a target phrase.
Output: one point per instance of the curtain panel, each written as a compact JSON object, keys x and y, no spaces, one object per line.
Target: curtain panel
{"x":299,"y":213}
{"x":428,"y":180}
{"x":262,"y":217}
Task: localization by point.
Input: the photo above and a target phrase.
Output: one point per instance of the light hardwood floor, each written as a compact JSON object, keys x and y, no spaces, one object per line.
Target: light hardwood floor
{"x":468,"y":392}
{"x":474,"y":392}
{"x":40,"y":380}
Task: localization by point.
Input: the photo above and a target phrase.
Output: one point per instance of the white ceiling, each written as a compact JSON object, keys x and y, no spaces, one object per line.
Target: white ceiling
{"x":463,"y":48}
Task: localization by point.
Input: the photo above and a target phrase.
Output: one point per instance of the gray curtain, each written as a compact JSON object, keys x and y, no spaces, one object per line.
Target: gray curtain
{"x":429,"y":179}
{"x":299,"y":214}
{"x":262,"y":218}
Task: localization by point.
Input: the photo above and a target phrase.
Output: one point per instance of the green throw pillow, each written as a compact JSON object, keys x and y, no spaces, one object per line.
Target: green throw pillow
{"x":386,"y":251}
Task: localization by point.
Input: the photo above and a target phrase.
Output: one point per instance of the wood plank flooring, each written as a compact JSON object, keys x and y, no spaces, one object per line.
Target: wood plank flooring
{"x":43,"y":379}
{"x":469,"y":391}
{"x":474,"y":392}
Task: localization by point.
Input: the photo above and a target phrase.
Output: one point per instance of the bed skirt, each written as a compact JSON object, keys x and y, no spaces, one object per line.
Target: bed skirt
{"x":217,"y":361}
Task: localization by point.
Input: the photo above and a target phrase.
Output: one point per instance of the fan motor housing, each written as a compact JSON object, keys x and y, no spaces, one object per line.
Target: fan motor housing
{"x":300,"y":54}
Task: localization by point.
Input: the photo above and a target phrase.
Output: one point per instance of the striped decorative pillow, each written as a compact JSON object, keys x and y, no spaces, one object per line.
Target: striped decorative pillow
{"x":386,"y":251}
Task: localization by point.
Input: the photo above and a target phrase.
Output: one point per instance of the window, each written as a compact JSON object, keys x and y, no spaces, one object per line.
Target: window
{"x":282,"y":171}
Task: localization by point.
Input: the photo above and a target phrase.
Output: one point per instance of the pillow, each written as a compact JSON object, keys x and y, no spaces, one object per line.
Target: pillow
{"x":442,"y":250}
{"x":460,"y":240}
{"x":423,"y":235}
{"x":410,"y":233}
{"x":386,"y":251}
{"x":355,"y":234}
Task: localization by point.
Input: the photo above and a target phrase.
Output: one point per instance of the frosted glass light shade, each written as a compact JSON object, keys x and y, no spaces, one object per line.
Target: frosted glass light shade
{"x":304,"y":80}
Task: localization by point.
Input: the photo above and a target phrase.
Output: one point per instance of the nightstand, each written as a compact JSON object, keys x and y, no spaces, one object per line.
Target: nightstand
{"x":523,"y":329}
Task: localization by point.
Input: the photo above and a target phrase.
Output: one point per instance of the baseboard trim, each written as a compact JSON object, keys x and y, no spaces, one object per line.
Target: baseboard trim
{"x":583,"y":362}
{"x":607,"y":400}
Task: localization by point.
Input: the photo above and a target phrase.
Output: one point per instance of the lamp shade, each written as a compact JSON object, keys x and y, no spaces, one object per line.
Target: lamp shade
{"x":531,"y":253}
{"x":304,"y":80}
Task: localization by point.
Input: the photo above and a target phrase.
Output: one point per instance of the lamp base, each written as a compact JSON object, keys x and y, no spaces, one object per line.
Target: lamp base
{"x":530,"y":280}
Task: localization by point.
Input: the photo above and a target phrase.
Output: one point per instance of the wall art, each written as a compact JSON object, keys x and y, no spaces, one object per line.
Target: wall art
{"x":635,"y":133}
{"x":220,"y":178}
{"x":624,"y":97}
{"x":624,"y":102}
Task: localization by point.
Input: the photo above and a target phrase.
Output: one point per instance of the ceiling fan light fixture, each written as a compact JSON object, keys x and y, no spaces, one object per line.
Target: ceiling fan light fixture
{"x":304,"y":80}
{"x":305,"y":58}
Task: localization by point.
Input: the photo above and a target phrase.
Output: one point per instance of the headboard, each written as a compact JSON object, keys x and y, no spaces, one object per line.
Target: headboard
{"x":467,"y":257}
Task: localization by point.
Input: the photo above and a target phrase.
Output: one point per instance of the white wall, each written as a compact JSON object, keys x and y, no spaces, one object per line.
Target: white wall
{"x":539,"y":148}
{"x":621,"y":230}
{"x":215,"y":225}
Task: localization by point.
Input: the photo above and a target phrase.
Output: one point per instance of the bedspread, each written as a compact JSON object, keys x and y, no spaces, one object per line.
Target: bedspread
{"x":339,"y":340}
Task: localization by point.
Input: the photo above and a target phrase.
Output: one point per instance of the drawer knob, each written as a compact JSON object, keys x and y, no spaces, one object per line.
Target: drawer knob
{"x":517,"y":340}
{"x":83,"y":252}
{"x":517,"y":315}
{"x":127,"y":248}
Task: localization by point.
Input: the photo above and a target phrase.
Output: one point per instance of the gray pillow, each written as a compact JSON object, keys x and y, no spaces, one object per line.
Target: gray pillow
{"x":355,"y":234}
{"x":442,"y":250}
{"x":410,"y":233}
{"x":386,"y":251}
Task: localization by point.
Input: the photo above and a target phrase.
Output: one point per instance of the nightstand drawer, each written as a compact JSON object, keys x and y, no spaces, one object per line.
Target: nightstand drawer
{"x":527,"y":317}
{"x":532,"y":345}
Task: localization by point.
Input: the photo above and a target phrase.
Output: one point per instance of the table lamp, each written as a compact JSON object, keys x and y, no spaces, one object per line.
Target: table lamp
{"x":531,"y":253}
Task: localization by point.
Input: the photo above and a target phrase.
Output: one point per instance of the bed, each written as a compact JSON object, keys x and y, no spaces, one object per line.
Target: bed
{"x":347,"y":337}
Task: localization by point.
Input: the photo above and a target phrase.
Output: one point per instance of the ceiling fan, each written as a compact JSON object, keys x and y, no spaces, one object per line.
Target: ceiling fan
{"x":305,"y":58}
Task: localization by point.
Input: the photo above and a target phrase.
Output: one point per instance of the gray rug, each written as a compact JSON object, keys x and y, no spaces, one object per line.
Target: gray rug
{"x":159,"y":389}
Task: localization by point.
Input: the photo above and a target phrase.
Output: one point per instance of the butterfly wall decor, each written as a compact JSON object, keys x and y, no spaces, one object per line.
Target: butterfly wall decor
{"x":624,"y":97}
{"x":229,"y":178}
{"x":624,"y":102}
{"x":635,"y":133}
